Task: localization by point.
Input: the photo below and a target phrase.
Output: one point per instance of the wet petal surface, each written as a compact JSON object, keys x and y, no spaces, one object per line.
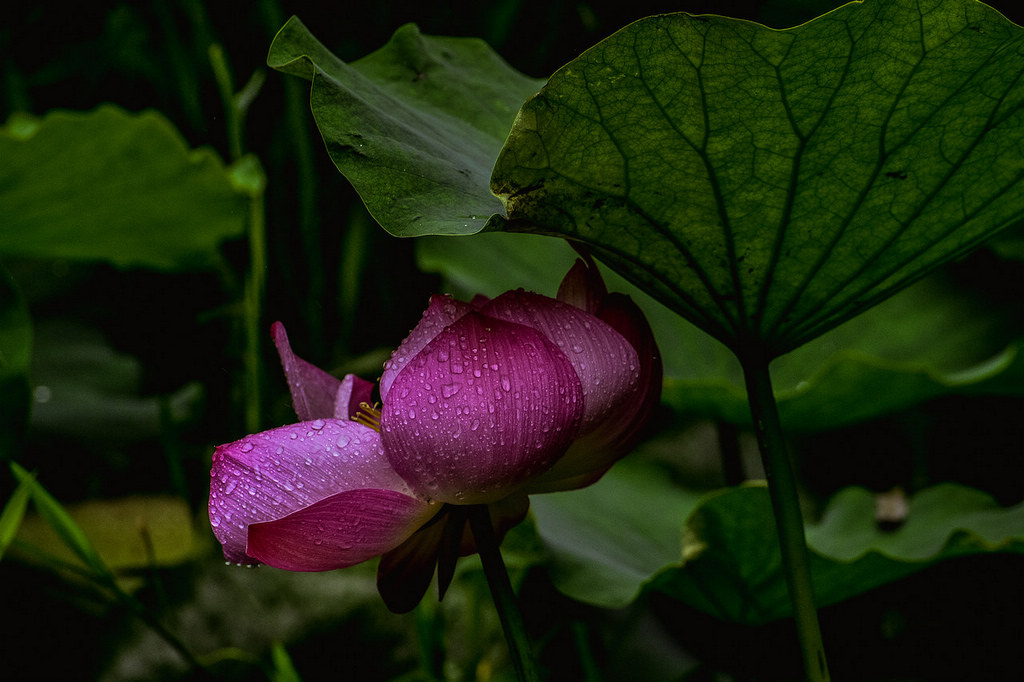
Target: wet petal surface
{"x":339,"y":531}
{"x":442,"y":311}
{"x":268,"y":475}
{"x":486,"y":405}
{"x":605,"y":362}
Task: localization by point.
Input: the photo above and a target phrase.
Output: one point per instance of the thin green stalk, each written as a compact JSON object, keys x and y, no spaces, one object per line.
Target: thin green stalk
{"x":788,"y":518}
{"x":255,"y":185}
{"x":226,"y":88}
{"x":501,"y":591}
{"x":255,"y":286}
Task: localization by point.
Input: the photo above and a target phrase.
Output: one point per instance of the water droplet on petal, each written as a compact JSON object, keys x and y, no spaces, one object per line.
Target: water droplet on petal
{"x":342,"y":441}
{"x":506,"y":385}
{"x":448,"y":390}
{"x":318,"y":424}
{"x":246,"y":447}
{"x":229,"y":487}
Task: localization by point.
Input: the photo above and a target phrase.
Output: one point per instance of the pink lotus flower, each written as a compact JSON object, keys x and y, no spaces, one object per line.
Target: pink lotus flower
{"x":484,"y":403}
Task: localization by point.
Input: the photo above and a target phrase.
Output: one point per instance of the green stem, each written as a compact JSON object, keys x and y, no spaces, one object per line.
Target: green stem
{"x":226,"y":88}
{"x":501,"y":591}
{"x":788,"y":517}
{"x":255,"y":285}
{"x":254,"y":293}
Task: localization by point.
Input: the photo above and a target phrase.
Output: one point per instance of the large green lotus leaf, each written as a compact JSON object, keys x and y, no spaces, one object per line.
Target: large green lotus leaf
{"x":606,"y":541}
{"x":718,"y":552}
{"x":113,"y":186}
{"x":15,"y":353}
{"x":768,"y":184}
{"x":415,"y":126}
{"x":494,"y":262}
{"x":926,"y":342}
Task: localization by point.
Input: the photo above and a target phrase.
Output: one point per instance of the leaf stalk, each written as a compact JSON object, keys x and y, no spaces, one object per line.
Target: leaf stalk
{"x":788,"y":517}
{"x":501,"y":591}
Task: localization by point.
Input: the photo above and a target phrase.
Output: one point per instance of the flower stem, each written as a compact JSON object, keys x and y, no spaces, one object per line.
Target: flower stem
{"x":501,"y":591}
{"x":788,"y":518}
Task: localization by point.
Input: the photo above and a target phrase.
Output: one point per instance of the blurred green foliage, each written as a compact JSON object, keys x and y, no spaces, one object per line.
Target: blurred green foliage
{"x":128,"y":300}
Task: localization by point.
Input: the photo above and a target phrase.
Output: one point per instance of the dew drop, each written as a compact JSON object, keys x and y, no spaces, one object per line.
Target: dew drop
{"x":231,"y":485}
{"x":342,"y":441}
{"x":506,"y":385}
{"x":246,"y":447}
{"x":318,"y":424}
{"x":214,"y":521}
{"x":448,"y":390}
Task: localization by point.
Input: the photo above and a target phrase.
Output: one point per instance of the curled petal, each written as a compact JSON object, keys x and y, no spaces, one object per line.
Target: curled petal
{"x":482,"y":408}
{"x":315,"y":393}
{"x":266,"y":476}
{"x":583,"y":286}
{"x":404,"y":573}
{"x":342,"y":530}
{"x":594,"y":453}
{"x":625,"y":317}
{"x":442,"y":311}
{"x":605,"y":362}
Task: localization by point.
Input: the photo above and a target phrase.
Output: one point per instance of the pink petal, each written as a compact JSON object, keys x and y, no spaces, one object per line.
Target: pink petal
{"x":583,"y":286}
{"x":485,"y":406}
{"x":623,"y":315}
{"x":354,"y":392}
{"x":404,"y":573}
{"x":605,"y":362}
{"x":592,"y":455}
{"x":266,"y":476}
{"x":341,"y":530}
{"x":442,"y":311}
{"x":315,"y":393}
